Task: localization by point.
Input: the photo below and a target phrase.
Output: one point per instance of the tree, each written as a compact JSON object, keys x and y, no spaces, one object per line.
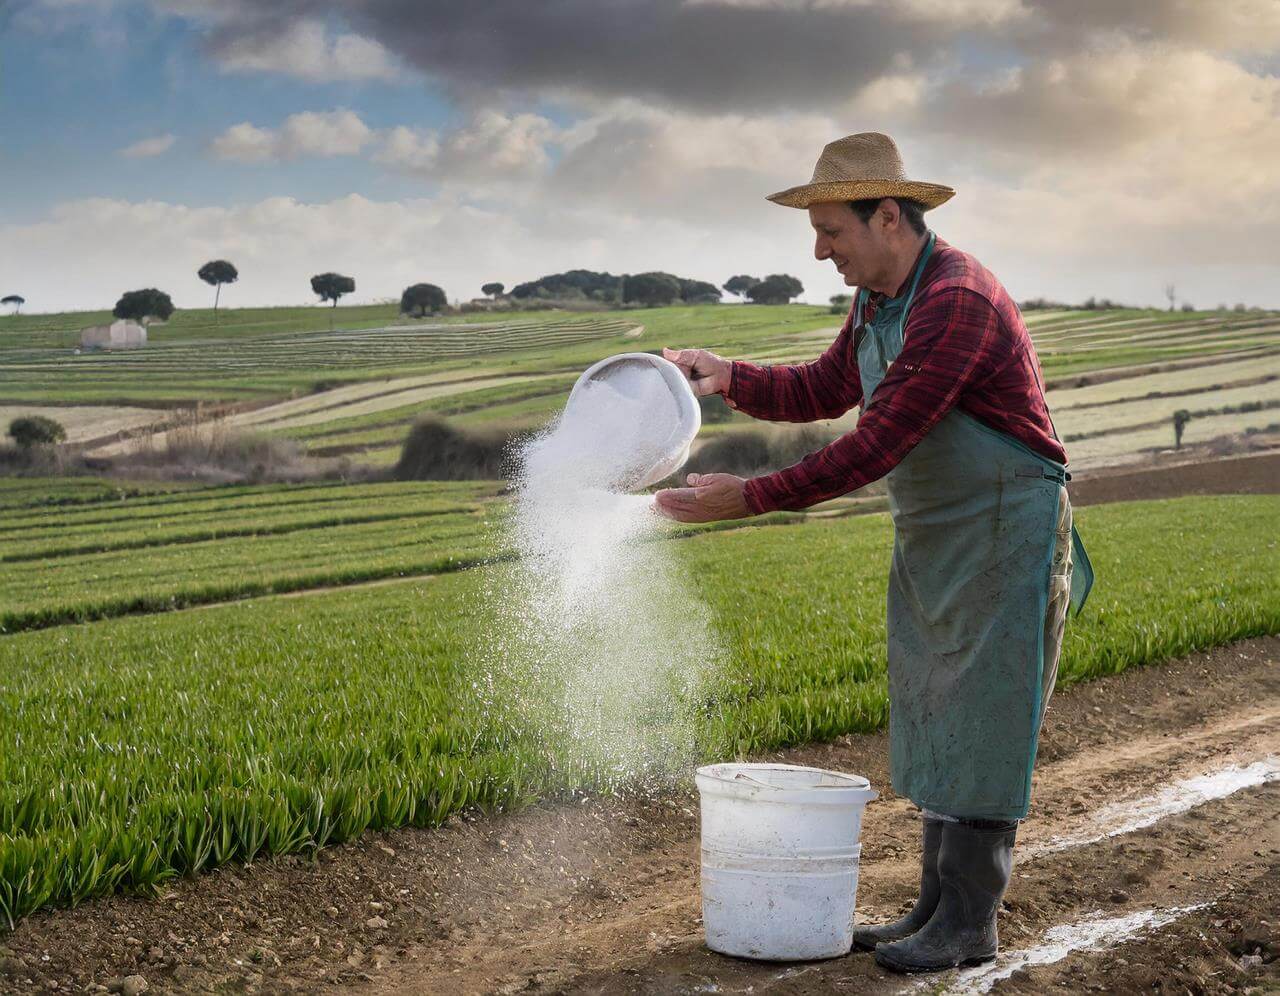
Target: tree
{"x":777,"y":288}
{"x":1171,"y":292}
{"x":740,"y":284}
{"x":144,"y":305}
{"x":1180,"y":419}
{"x":699,"y":292}
{"x":330,"y":287}
{"x":36,"y":430}
{"x":215,"y":273}
{"x":572,"y":285}
{"x":650,"y":289}
{"x":841,"y":303}
{"x":422,"y":298}
{"x":17,"y":300}
{"x":493,"y":290}
{"x":1188,"y":306}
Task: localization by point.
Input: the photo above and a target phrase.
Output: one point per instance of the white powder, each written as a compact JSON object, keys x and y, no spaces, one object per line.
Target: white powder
{"x":598,"y":647}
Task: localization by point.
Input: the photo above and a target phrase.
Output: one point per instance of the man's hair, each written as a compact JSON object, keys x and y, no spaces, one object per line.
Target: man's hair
{"x":912,"y":211}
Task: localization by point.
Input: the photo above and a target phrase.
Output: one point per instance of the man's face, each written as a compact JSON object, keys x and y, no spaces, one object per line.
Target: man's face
{"x":857,"y":249}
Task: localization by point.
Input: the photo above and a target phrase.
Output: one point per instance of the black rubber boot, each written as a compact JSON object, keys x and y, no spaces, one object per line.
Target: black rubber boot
{"x":974,"y":864}
{"x":867,"y":936}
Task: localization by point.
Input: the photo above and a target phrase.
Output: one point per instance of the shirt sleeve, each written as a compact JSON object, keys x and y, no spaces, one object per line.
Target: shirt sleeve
{"x":952,"y":341}
{"x":824,"y":388}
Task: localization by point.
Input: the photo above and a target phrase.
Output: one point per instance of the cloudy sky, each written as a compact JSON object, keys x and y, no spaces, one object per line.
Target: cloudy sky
{"x":1099,"y":147}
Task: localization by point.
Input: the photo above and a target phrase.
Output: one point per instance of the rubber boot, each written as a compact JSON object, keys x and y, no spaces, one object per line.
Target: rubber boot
{"x":974,"y":864}
{"x":867,"y":936}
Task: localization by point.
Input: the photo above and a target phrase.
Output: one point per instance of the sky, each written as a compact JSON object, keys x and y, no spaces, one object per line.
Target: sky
{"x":1103,"y":148}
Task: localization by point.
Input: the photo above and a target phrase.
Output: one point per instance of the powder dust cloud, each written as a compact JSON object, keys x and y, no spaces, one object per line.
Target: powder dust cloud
{"x":596,"y":645}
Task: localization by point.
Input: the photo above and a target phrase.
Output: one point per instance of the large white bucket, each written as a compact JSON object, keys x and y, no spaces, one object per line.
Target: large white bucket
{"x":780,"y":859}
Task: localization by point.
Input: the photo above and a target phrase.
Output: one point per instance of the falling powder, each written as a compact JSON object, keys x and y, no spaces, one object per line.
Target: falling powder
{"x":597,"y":646}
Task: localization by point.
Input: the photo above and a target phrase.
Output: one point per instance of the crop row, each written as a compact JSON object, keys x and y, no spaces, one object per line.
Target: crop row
{"x":83,"y":586}
{"x":135,"y":750}
{"x":261,"y":503}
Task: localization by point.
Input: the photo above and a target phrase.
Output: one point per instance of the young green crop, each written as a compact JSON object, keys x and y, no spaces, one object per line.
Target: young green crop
{"x":137,"y":749}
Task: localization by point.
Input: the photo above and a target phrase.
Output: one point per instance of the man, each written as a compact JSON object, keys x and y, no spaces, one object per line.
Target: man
{"x":954,"y":417}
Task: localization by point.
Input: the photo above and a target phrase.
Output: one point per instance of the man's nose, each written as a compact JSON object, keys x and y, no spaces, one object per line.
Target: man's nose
{"x":821,"y":249}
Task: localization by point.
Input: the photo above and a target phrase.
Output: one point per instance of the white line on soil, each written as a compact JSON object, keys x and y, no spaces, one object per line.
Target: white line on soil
{"x":1125,"y":817}
{"x":1094,"y":934}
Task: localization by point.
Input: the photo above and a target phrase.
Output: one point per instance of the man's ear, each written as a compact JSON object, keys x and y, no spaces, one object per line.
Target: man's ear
{"x":889,"y":213}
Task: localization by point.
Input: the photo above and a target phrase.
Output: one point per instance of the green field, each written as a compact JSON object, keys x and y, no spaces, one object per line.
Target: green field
{"x":135,"y":749}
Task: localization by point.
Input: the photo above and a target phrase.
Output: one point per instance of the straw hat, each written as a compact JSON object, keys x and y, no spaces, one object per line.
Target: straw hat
{"x":859,"y":166}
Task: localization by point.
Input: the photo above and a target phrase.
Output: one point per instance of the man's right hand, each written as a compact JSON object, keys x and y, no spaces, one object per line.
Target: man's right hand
{"x":707,"y":373}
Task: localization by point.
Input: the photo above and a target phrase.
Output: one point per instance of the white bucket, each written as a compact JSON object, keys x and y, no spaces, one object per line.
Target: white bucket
{"x":673,"y":449}
{"x":780,"y":859}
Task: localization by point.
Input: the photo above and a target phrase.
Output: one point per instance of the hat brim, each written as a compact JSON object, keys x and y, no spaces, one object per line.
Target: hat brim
{"x":928,"y":194}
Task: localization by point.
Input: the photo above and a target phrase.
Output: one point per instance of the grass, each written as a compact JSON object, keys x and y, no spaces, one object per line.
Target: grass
{"x":137,"y":749}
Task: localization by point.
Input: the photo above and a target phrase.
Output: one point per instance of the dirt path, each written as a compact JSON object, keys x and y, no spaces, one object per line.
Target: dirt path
{"x":601,"y":895}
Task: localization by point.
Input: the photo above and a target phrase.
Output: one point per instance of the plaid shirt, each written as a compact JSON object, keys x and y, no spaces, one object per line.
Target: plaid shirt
{"x":964,"y":345}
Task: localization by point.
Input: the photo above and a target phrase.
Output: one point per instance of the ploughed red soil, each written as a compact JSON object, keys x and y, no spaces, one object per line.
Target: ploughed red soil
{"x":600,"y":895}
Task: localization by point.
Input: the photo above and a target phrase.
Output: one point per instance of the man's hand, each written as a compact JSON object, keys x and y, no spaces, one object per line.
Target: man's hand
{"x":708,"y":498}
{"x":707,"y":373}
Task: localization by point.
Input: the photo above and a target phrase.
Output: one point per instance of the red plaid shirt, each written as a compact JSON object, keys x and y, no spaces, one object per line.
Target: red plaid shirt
{"x":964,"y":345}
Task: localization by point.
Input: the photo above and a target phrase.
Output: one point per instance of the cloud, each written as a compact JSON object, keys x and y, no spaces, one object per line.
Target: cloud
{"x":309,"y":133}
{"x":148,"y":147}
{"x":489,"y":146}
{"x":305,"y":49}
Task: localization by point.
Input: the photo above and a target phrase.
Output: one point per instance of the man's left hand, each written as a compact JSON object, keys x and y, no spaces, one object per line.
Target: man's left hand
{"x":708,"y":498}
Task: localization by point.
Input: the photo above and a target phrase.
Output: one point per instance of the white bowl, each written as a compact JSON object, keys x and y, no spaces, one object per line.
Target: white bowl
{"x":689,"y":415}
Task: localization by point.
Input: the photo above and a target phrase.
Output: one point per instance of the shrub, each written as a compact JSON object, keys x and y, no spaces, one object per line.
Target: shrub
{"x":437,"y":451}
{"x":36,"y":430}
{"x":749,"y":452}
{"x":841,"y":303}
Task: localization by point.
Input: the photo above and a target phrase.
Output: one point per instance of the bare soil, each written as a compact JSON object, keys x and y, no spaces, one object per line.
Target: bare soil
{"x":1255,"y":473}
{"x":600,"y":895}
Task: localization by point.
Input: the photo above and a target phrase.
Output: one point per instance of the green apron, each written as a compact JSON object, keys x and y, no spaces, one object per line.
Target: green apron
{"x":975,"y":518}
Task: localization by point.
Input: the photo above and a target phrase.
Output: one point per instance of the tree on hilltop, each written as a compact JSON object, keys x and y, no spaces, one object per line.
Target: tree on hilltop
{"x":650,"y":289}
{"x":422,"y":298}
{"x":330,"y":287}
{"x":494,"y":289}
{"x":17,"y":300}
{"x":740,"y":284}
{"x":144,"y":305}
{"x":777,"y":288}
{"x":215,"y":273}
{"x":699,"y":292}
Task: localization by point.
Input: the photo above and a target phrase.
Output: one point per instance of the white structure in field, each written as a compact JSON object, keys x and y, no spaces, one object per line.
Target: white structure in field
{"x":123,"y":334}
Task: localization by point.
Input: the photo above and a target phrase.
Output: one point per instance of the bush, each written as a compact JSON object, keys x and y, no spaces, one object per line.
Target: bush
{"x":139,"y":305}
{"x":36,"y":430}
{"x":841,"y":303}
{"x":437,"y":451}
{"x":750,"y":452}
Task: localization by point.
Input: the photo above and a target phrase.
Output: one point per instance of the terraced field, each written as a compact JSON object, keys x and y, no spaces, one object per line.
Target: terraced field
{"x":1115,"y":376}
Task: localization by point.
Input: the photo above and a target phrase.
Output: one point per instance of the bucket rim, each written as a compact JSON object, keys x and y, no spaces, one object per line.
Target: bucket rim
{"x":713,"y":776}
